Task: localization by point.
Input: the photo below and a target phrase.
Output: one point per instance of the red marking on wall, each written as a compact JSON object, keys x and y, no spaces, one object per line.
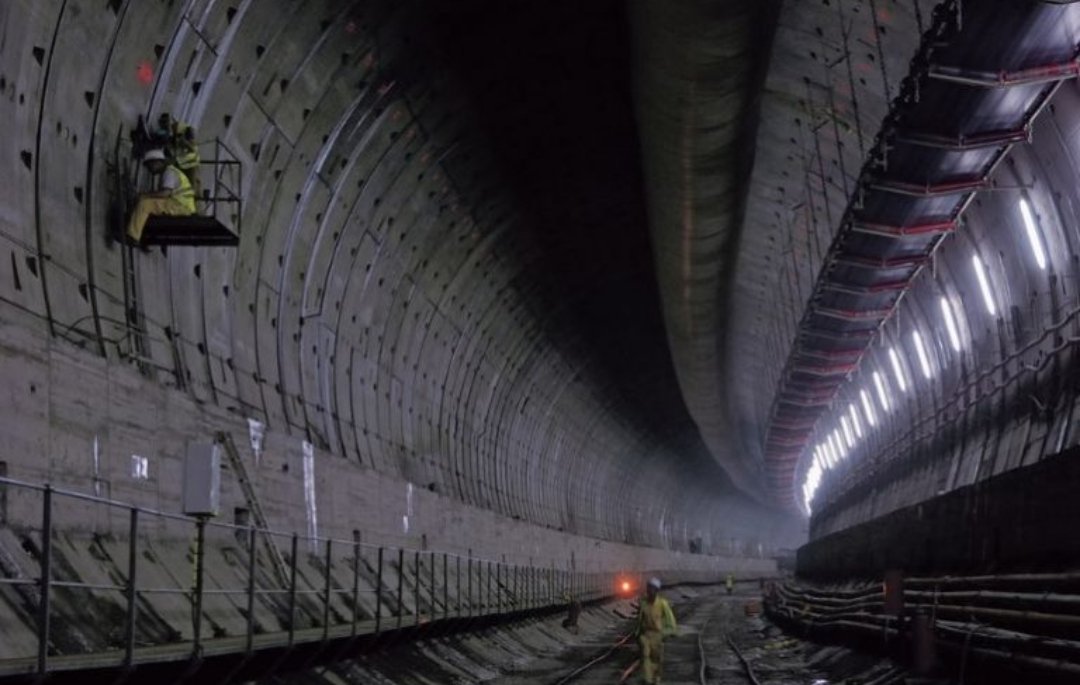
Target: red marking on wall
{"x":145,"y":73}
{"x":350,"y":27}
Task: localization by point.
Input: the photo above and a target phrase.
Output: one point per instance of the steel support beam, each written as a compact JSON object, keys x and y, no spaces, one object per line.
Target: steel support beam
{"x":854,"y":315}
{"x":908,"y":189}
{"x":859,"y":289}
{"x":890,"y":231}
{"x":824,"y":369}
{"x":865,"y":262}
{"x":1046,"y":73}
{"x":963,"y":142}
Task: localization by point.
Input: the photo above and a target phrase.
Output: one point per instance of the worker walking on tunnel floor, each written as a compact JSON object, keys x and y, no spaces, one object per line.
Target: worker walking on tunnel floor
{"x":174,"y":197}
{"x":655,"y":622}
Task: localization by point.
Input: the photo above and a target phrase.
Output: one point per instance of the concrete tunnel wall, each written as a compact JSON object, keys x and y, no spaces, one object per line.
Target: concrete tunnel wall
{"x":373,"y":308}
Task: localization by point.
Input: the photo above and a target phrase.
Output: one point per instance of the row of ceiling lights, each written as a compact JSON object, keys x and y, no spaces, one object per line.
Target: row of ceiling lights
{"x":836,"y":446}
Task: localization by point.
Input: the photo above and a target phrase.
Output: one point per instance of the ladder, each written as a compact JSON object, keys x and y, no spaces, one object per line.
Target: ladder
{"x":122,"y":196}
{"x":248,"y":488}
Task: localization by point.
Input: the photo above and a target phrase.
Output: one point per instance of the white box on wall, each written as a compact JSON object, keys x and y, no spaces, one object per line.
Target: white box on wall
{"x":202,"y":479}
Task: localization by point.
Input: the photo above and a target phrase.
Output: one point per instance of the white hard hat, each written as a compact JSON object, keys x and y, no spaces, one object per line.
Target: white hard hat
{"x":153,"y":153}
{"x":654,"y":582}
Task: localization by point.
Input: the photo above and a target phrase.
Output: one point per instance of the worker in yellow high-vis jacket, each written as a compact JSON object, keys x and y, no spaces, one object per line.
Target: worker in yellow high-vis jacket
{"x":655,"y":622}
{"x":174,"y":196}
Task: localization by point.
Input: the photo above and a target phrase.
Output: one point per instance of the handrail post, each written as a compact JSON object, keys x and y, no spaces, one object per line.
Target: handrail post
{"x":378,"y":593}
{"x":400,"y":585}
{"x":326,"y":588}
{"x":457,"y":595}
{"x":498,"y":588}
{"x":249,"y":642}
{"x":416,"y":587}
{"x":197,"y":600}
{"x":132,"y":596}
{"x":46,"y":573}
{"x":217,"y":177}
{"x":292,"y":590}
{"x":445,"y":586}
{"x":355,"y":584}
{"x":431,"y":585}
{"x":487,"y":604}
{"x":514,"y":595}
{"x":239,"y":199}
{"x":470,"y":597}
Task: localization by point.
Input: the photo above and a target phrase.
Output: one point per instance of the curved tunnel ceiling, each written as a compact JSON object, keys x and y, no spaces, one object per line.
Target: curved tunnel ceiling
{"x":777,"y":304}
{"x":756,"y":118}
{"x":444,"y":268}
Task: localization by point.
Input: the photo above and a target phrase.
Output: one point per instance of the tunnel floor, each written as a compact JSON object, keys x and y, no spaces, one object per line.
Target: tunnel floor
{"x":541,"y":651}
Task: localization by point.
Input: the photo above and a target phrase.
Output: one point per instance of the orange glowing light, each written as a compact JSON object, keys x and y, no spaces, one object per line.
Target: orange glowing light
{"x":145,"y":73}
{"x":626,"y":586}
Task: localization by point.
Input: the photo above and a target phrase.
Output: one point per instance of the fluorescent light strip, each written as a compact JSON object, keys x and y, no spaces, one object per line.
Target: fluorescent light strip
{"x":855,"y":420}
{"x":898,"y":371}
{"x":984,"y":285}
{"x":920,"y":350}
{"x":882,"y":395}
{"x":847,"y":432}
{"x":840,"y":449}
{"x":871,"y":418}
{"x":950,"y":324}
{"x":1033,"y":234}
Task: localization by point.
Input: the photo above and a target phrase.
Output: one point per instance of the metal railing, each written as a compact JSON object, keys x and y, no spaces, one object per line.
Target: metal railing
{"x":438,"y":585}
{"x":227,"y":185}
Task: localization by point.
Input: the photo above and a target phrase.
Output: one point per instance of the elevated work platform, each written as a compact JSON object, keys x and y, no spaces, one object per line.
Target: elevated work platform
{"x":219,"y":207}
{"x":188,"y":231}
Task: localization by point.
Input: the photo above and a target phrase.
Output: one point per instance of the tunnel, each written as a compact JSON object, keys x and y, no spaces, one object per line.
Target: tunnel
{"x":443,"y":317}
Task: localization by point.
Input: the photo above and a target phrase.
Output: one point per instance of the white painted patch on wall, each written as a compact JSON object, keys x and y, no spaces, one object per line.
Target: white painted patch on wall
{"x":97,"y":468}
{"x":256,"y":430}
{"x":408,"y":508}
{"x":140,"y":467}
{"x":309,"y":495}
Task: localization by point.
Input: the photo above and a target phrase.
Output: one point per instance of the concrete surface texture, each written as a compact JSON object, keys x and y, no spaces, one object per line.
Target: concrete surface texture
{"x":373,"y":585}
{"x":731,"y":244}
{"x":542,"y":652}
{"x":526,"y":280}
{"x":407,"y":295}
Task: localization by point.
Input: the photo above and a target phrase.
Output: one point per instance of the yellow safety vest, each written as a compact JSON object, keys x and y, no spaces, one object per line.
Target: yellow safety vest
{"x":185,"y":152}
{"x":185,"y":194}
{"x":187,"y":159}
